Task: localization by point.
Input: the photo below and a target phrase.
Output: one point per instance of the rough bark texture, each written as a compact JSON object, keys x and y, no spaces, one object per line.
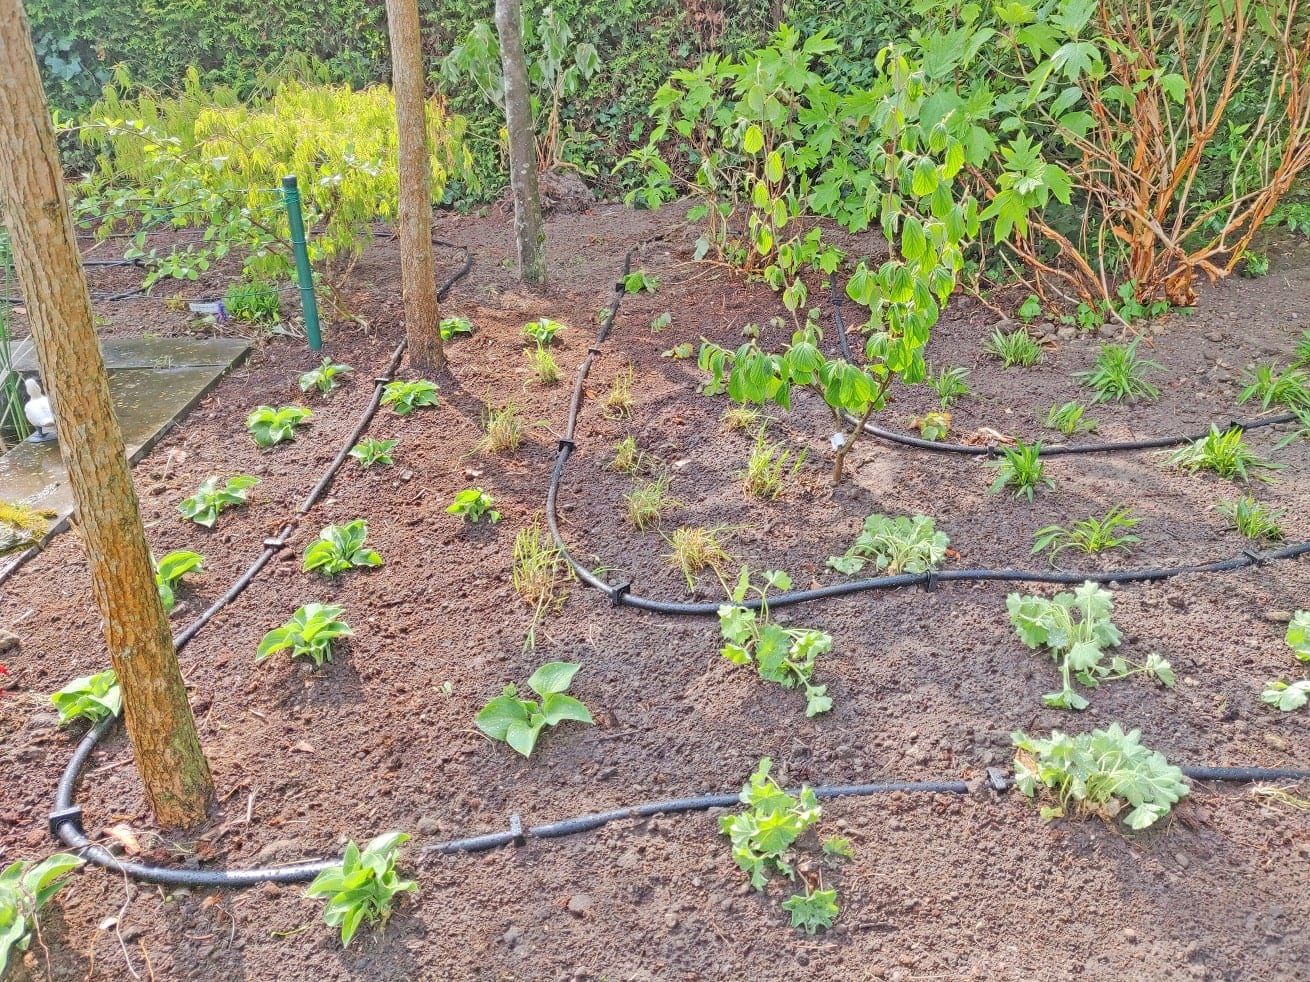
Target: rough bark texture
{"x":159,"y":721}
{"x":418,"y":277}
{"x":529,"y":233}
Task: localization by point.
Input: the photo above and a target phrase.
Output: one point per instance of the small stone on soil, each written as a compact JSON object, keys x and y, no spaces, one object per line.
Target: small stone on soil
{"x":579,"y":904}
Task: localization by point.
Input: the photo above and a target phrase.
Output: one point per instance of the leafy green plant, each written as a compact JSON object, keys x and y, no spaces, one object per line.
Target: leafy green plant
{"x":472,"y":504}
{"x":766,"y":468}
{"x":539,"y":574}
{"x":1120,"y":374}
{"x":661,"y":322}
{"x":542,"y":331}
{"x":639,"y":281}
{"x":1289,"y":388}
{"x":1298,"y":635}
{"x":1030,"y":309}
{"x":363,"y":887}
{"x":1254,"y":264}
{"x":1013,"y":348}
{"x":932,"y":426}
{"x":1224,"y":453}
{"x":501,"y":429}
{"x":404,"y":397}
{"x":1076,"y":629}
{"x":24,"y":890}
{"x":1301,"y":357}
{"x":309,"y":634}
{"x":271,"y":426}
{"x":1252,"y":519}
{"x":453,"y":327}
{"x":762,"y":837}
{"x":648,"y":500}
{"x":324,"y":377}
{"x":739,"y":418}
{"x":91,"y":697}
{"x":949,"y":384}
{"x":258,"y":302}
{"x":1131,"y":309}
{"x":370,"y":451}
{"x":617,"y":403}
{"x":171,"y":569}
{"x":679,"y":352}
{"x":1091,"y":535}
{"x":1101,"y":772}
{"x":1286,"y":696}
{"x":518,"y":722}
{"x":339,"y":548}
{"x":544,"y":366}
{"x":1021,"y":467}
{"x":627,"y":458}
{"x":204,"y":506}
{"x":905,"y":544}
{"x":696,"y":549}
{"x":1069,"y":419}
{"x":782,"y":655}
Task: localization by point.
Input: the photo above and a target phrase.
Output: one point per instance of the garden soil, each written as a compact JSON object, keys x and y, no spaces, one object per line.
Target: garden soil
{"x":925,"y":685}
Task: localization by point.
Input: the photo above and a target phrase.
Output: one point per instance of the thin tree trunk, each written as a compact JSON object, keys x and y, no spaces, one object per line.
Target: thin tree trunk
{"x":159,"y":721}
{"x":529,"y":233}
{"x":418,"y":277}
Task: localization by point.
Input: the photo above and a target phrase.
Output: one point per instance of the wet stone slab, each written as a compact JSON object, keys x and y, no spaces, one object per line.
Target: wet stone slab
{"x":161,"y":353}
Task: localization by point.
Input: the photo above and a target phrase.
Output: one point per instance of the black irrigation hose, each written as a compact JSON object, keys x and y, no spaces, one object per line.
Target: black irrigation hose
{"x":993,"y":450}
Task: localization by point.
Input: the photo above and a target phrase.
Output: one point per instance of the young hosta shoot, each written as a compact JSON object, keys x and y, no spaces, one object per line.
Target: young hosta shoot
{"x":1091,"y":535}
{"x":782,"y":655}
{"x":324,"y":377}
{"x":210,"y":499}
{"x":472,"y":504}
{"x":309,"y":634}
{"x":24,"y":890}
{"x":363,"y":887}
{"x":405,"y":397}
{"x":1070,"y":418}
{"x":1120,"y":374}
{"x":1252,"y":519}
{"x":1223,"y":452}
{"x":1021,"y":467}
{"x":92,"y":698}
{"x":271,"y":426}
{"x":453,"y":327}
{"x":1076,"y":629}
{"x":171,"y":569}
{"x":518,"y":722}
{"x":339,"y":548}
{"x":894,"y":545}
{"x":1101,"y":772}
{"x":370,"y":451}
{"x":542,"y":331}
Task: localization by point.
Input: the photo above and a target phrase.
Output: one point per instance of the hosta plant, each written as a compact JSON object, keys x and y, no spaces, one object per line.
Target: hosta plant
{"x":518,"y":722}
{"x":453,"y":327}
{"x":1102,"y":772}
{"x":324,"y":377}
{"x":405,"y":397}
{"x":171,"y":569}
{"x":271,"y":426}
{"x":542,"y":332}
{"x":309,"y":634}
{"x":210,"y":499}
{"x":25,"y":888}
{"x":92,"y":698}
{"x":782,"y":655}
{"x":370,"y":451}
{"x":364,"y":887}
{"x":471,"y":504}
{"x":640,"y":281}
{"x":339,"y":548}
{"x":905,"y":544}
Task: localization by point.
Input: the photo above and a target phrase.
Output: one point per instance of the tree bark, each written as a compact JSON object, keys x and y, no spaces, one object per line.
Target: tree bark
{"x":159,"y":721}
{"x":418,"y":277}
{"x":529,"y":233}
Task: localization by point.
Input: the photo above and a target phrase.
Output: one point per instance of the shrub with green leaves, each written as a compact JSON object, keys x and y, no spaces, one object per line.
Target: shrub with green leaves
{"x":453,"y":327}
{"x":91,"y":697}
{"x":271,"y":426}
{"x":905,"y":544}
{"x":1070,"y":418}
{"x":26,"y":888}
{"x":1120,"y":374}
{"x":309,"y":634}
{"x":210,"y":499}
{"x":364,"y":887}
{"x":324,"y":377}
{"x":1089,"y":536}
{"x":1021,"y":467}
{"x":370,"y":451}
{"x":471,"y":504}
{"x":171,"y":569}
{"x":762,"y":837}
{"x":339,"y":548}
{"x":404,"y":397}
{"x":1252,"y":519}
{"x":518,"y":722}
{"x":542,"y":332}
{"x":1102,"y":772}
{"x":1076,"y":629}
{"x":782,"y":655}
{"x":1013,"y":348}
{"x":1224,"y":453}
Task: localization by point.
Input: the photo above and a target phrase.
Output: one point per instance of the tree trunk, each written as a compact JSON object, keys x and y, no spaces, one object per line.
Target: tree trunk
{"x":418,"y":277}
{"x":159,"y":721}
{"x":529,"y":234}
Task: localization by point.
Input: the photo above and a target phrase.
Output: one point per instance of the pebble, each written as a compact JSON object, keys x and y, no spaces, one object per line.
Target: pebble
{"x":1130,"y":935}
{"x":1067,"y":333}
{"x":1275,"y":741}
{"x":9,"y":641}
{"x":427,"y":825}
{"x":1278,"y":616}
{"x":1182,"y":859}
{"x":512,"y":935}
{"x":579,"y":904}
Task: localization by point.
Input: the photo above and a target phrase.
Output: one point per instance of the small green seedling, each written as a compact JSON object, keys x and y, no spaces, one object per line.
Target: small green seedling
{"x":1102,"y":773}
{"x":405,"y":397}
{"x":950,"y":385}
{"x":453,"y":327}
{"x":257,"y":302}
{"x":1286,"y":696}
{"x":1021,"y":467}
{"x":1254,"y":264}
{"x":641,"y":282}
{"x":544,"y":365}
{"x":518,"y":722}
{"x":661,"y":322}
{"x":542,"y":332}
{"x":1252,"y":519}
{"x":203,"y":506}
{"x":627,"y":458}
{"x":324,"y":377}
{"x":364,"y":887}
{"x":679,"y":352}
{"x":1069,"y":419}
{"x":648,"y":500}
{"x":1120,"y":374}
{"x":782,"y":655}
{"x":932,"y":426}
{"x":766,"y":470}
{"x":171,"y":569}
{"x":1091,"y":535}
{"x":617,"y":403}
{"x":271,"y":426}
{"x":1224,"y":453}
{"x":1030,"y":309}
{"x":339,"y":548}
{"x":24,"y":890}
{"x":309,"y":634}
{"x":92,"y":698}
{"x":1289,"y":388}
{"x":741,"y":418}
{"x":471,"y":504}
{"x":903,"y":544}
{"x":1014,"y":348}
{"x":370,"y":451}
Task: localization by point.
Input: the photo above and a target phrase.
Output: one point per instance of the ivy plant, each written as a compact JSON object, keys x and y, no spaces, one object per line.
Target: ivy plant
{"x":339,"y":548}
{"x":364,"y":886}
{"x":210,"y":499}
{"x":518,"y":722}
{"x":271,"y":426}
{"x":404,"y":397}
{"x":309,"y":634}
{"x":171,"y":569}
{"x":92,"y":698}
{"x":24,"y":890}
{"x":905,"y":544}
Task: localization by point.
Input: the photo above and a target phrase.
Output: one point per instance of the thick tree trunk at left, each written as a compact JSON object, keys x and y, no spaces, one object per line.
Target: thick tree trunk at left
{"x":159,"y":721}
{"x":529,"y":232}
{"x":418,"y":277}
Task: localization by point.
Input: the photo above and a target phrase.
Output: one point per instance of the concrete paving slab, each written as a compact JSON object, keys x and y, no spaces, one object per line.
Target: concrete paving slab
{"x":124,"y":353}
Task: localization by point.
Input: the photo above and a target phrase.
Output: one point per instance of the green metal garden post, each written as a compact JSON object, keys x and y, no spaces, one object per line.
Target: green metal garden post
{"x":291,"y":196}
